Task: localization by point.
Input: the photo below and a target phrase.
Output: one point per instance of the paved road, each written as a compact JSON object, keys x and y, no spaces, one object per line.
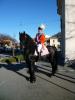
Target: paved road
{"x":4,"y":56}
{"x":15,"y":86}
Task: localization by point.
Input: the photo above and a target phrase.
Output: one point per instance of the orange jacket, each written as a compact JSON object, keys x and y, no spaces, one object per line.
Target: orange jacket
{"x":42,"y":38}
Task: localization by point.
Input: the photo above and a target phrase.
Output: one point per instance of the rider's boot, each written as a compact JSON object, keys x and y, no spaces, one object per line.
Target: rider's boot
{"x":39,"y":55}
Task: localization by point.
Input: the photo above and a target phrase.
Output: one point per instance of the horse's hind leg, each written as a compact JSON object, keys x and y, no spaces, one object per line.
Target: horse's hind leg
{"x":54,"y":68}
{"x":54,"y":65}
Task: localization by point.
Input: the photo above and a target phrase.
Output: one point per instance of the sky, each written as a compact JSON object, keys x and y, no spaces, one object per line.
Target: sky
{"x":27,"y":15}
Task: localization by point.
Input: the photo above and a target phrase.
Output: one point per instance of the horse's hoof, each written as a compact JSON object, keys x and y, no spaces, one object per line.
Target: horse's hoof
{"x":28,"y":79}
{"x":28,"y":71}
{"x":32,"y":81}
{"x":52,"y":75}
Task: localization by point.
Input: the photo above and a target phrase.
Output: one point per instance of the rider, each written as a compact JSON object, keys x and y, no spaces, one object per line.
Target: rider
{"x":40,"y":39}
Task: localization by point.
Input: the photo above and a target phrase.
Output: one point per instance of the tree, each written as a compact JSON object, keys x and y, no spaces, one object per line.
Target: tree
{"x":4,"y":37}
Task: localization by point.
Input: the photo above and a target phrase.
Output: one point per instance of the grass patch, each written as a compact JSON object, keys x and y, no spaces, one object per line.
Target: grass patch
{"x":20,"y":57}
{"x":13,"y":59}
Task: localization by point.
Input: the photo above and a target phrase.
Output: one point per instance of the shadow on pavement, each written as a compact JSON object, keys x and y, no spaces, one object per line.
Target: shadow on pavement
{"x":58,"y":75}
{"x":57,"y":72}
{"x":60,"y":59}
{"x":72,"y":65}
{"x":56,"y":85}
{"x":15,"y":68}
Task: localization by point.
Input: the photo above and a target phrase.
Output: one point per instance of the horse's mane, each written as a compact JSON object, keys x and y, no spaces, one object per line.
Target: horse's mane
{"x":28,"y":36}
{"x":30,"y":40}
{"x":30,"y":44}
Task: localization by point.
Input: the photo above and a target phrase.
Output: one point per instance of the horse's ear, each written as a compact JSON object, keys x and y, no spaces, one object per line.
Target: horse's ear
{"x":19,"y":33}
{"x":24,"y":32}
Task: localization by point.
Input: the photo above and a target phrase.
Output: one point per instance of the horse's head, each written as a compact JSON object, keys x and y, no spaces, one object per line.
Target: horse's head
{"x":26,"y":41}
{"x":22,"y":38}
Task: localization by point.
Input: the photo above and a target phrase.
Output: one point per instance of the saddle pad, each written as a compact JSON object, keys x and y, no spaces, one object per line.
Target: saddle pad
{"x":44,"y":51}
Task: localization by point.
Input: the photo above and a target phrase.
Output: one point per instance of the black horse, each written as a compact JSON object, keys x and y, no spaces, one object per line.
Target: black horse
{"x":29,"y":46}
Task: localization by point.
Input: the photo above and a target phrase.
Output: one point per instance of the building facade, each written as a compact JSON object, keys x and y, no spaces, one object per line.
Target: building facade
{"x":66,"y":11}
{"x":53,"y":41}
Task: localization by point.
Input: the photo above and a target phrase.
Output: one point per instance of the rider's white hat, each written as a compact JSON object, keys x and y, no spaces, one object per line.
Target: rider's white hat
{"x":42,"y":26}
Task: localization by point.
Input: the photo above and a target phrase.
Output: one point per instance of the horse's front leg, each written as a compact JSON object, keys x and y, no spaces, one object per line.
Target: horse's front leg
{"x":32,"y":69}
{"x":32,"y":72}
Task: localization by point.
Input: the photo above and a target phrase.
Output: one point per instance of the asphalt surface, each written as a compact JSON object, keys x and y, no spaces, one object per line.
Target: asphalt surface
{"x":4,"y":56}
{"x":14,"y":84}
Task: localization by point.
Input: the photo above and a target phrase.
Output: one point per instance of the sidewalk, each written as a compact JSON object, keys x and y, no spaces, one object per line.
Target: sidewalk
{"x":14,"y":84}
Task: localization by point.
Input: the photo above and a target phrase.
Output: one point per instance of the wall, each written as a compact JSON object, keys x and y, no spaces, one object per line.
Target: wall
{"x":54,"y":41}
{"x":69,"y":30}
